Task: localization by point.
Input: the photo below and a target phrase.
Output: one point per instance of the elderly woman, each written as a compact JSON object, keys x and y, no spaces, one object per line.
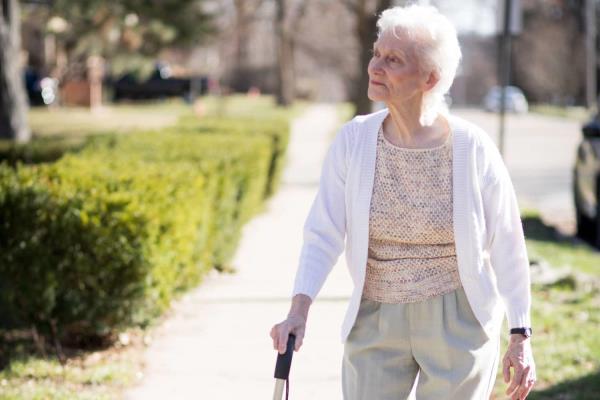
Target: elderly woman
{"x":435,"y":245}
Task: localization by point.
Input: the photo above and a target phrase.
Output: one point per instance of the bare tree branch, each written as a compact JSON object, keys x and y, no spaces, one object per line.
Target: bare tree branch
{"x":300,"y":12}
{"x":353,"y":7}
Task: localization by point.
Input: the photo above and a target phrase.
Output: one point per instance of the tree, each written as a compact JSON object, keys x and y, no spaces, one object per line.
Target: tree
{"x":540,"y":70}
{"x":286,"y":28}
{"x":245,"y":13}
{"x":13,"y":104}
{"x":129,"y":33}
{"x":366,"y":13}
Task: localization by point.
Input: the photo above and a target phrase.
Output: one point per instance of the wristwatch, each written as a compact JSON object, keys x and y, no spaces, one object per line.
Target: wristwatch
{"x":527,"y":332}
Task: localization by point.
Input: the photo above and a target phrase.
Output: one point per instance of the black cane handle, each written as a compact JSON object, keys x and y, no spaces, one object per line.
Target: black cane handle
{"x":284,"y":361}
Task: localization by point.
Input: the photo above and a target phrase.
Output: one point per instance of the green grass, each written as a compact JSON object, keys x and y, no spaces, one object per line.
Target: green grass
{"x":566,"y":345}
{"x":87,"y":375}
{"x":75,"y":122}
{"x":544,"y":242}
{"x":59,"y":130}
{"x":565,"y":318}
{"x":47,"y":379}
{"x":244,"y":106}
{"x":117,"y":118}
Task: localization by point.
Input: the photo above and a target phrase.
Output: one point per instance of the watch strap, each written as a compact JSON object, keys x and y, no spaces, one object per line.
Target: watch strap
{"x":527,"y":332}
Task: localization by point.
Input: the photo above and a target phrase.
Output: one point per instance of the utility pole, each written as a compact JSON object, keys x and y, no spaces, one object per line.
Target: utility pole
{"x":504,"y":69}
{"x":591,"y":54}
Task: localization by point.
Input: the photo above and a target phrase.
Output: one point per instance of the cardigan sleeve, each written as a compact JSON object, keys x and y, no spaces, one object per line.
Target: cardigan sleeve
{"x":507,"y":249}
{"x":325,"y":227}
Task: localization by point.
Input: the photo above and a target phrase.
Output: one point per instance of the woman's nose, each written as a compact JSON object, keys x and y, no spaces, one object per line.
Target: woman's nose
{"x":375,"y":67}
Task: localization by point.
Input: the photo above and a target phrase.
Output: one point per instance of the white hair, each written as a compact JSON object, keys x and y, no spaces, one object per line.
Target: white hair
{"x":437,"y":50}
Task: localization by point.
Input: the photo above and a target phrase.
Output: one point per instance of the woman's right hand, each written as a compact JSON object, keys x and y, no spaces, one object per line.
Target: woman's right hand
{"x":295,"y":324}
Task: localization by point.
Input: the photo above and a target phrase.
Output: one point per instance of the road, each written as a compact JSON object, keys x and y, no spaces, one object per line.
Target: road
{"x":539,"y":153}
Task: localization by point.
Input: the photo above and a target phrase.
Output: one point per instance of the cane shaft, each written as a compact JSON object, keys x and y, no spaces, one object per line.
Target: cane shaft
{"x":279,"y":385}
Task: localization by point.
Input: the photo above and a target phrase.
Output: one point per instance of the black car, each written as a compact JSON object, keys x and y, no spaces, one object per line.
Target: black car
{"x":586,"y":183}
{"x":159,"y":85}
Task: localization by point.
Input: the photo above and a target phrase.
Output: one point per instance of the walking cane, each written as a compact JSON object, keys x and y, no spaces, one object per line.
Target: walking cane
{"x":282,"y":369}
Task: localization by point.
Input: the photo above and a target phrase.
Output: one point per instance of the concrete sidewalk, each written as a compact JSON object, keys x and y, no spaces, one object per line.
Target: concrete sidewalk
{"x":216,"y":345}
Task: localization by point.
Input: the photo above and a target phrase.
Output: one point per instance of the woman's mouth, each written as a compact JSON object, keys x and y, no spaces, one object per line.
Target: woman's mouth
{"x":376,"y":83}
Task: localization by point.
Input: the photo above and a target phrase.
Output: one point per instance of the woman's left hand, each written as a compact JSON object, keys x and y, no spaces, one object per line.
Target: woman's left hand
{"x":520,"y":357}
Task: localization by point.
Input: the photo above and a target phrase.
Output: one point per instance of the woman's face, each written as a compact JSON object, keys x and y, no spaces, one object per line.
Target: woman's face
{"x":394,"y":73}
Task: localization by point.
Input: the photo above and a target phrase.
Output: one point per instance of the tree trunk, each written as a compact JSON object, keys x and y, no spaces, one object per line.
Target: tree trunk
{"x":285,"y":58}
{"x":13,"y":104}
{"x":366,"y":32}
{"x":242,"y":31}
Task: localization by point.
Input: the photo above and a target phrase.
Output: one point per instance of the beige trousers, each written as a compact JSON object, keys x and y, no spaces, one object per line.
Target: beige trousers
{"x":438,"y":338}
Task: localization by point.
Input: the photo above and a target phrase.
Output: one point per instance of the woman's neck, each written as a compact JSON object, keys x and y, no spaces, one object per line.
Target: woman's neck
{"x":403,"y":128}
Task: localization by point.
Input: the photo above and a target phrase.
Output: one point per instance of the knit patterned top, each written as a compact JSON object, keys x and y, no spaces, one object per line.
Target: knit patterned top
{"x":411,"y":254}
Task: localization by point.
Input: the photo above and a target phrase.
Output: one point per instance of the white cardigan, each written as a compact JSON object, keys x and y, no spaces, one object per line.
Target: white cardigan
{"x":490,"y":245}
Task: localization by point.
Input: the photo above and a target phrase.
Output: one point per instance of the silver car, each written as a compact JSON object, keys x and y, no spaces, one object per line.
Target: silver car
{"x":515,"y":100}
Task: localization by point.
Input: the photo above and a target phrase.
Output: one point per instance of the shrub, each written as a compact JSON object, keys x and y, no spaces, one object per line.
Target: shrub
{"x":39,"y":150}
{"x":104,"y":238}
{"x":274,"y":128}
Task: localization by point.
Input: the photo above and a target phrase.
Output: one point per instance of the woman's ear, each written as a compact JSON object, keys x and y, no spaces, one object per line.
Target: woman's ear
{"x":432,"y":79}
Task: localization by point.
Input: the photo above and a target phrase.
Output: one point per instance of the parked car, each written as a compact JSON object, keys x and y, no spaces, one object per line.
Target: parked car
{"x":515,"y":100}
{"x":41,"y":90}
{"x":160,"y":84}
{"x":586,"y":183}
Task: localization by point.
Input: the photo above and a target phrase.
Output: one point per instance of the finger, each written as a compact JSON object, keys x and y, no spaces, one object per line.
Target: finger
{"x":523,"y":387}
{"x":275,"y":340}
{"x":298,"y":342}
{"x":299,"y":333}
{"x":530,"y":386}
{"x":272,"y":333}
{"x":525,"y":391}
{"x":517,"y":378}
{"x":520,"y":382}
{"x":512,"y":395}
{"x":283,"y":338}
{"x":515,"y":395}
{"x":279,"y":336}
{"x":514,"y":384}
{"x":506,"y":370}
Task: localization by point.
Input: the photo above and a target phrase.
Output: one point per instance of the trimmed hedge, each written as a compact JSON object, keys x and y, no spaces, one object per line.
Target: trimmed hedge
{"x":238,"y":164}
{"x":82,"y":247}
{"x":105,"y":238}
{"x":39,"y":150}
{"x":277,"y":130}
